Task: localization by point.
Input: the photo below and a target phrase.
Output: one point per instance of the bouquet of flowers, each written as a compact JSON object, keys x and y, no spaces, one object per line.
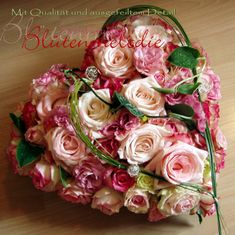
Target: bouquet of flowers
{"x":135,"y":126}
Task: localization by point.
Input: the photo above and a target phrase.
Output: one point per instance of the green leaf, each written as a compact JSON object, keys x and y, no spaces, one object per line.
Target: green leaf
{"x":182,"y":110}
{"x":188,"y":88}
{"x":27,"y":153}
{"x":183,"y":113}
{"x":124,"y":102}
{"x":164,"y":90}
{"x":64,"y":176}
{"x":199,"y":214}
{"x":18,"y":122}
{"x":184,"y":56}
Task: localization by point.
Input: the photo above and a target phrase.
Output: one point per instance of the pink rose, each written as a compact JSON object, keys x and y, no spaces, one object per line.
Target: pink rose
{"x":119,"y":179}
{"x":176,"y":201}
{"x":149,"y":60}
{"x":52,"y":99}
{"x":114,"y":61}
{"x":66,"y":148}
{"x":180,"y":163}
{"x":45,"y":176}
{"x":35,"y":135}
{"x":72,"y":193}
{"x":107,"y":200}
{"x":143,"y":143}
{"x":212,"y":113}
{"x":140,"y":93}
{"x":137,"y":200}
{"x":89,"y":174}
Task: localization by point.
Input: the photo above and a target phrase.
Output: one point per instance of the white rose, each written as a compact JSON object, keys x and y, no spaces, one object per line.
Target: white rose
{"x":154,"y":34}
{"x":94,"y":112}
{"x":141,"y":94}
{"x":142,"y":144}
{"x":114,"y":61}
{"x":176,"y":201}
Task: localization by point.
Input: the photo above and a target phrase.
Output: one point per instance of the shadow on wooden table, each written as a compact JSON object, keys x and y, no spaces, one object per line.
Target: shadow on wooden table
{"x":33,"y":206}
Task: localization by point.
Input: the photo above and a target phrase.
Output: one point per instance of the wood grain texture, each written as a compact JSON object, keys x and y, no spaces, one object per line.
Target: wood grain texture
{"x":23,"y":209}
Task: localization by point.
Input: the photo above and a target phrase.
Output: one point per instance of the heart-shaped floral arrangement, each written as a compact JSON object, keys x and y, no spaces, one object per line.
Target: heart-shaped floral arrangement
{"x":135,"y":126}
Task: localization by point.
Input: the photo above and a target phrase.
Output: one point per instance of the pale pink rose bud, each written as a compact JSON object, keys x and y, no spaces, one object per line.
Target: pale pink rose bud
{"x":107,"y":200}
{"x":177,"y":200}
{"x":35,"y":135}
{"x":45,"y":176}
{"x":137,"y":200}
{"x":66,"y":148}
{"x":75,"y":194}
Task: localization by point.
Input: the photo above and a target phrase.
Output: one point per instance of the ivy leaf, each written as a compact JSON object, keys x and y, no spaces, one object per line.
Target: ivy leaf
{"x":27,"y":153}
{"x":18,"y":122}
{"x":188,"y":88}
{"x":124,"y":102}
{"x":164,"y":90}
{"x":64,"y":176}
{"x":184,"y":57}
{"x":199,"y":214}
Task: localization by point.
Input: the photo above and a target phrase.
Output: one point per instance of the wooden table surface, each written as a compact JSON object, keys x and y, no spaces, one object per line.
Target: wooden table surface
{"x":23,"y":209}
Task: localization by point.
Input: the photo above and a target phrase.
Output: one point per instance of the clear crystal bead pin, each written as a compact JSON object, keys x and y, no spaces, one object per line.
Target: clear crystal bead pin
{"x":133,"y":170}
{"x":92,"y":72}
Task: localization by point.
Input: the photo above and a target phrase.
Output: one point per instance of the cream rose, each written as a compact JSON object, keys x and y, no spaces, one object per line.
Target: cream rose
{"x":114,"y":61}
{"x":142,"y":144}
{"x":154,"y":34}
{"x":137,"y":200}
{"x":52,"y":99}
{"x":66,"y":148}
{"x":181,"y":163}
{"x":176,"y":201}
{"x":107,"y":200}
{"x":95,"y":113}
{"x":141,"y":94}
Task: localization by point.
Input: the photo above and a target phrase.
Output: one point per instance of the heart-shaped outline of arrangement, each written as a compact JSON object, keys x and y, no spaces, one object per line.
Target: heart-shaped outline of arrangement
{"x":24,"y":153}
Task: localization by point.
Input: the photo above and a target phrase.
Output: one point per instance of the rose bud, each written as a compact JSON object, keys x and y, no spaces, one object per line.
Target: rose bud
{"x":73,"y":193}
{"x":45,"y":176}
{"x":137,"y":200}
{"x":107,"y":200}
{"x":35,"y":135}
